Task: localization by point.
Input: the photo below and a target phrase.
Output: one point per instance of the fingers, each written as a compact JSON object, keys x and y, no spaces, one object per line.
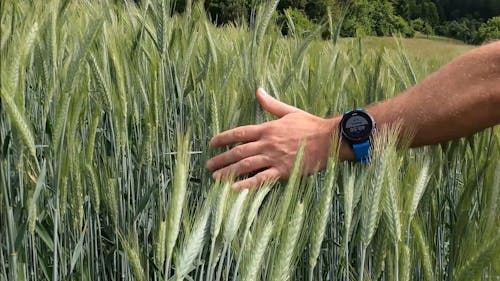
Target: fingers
{"x":258,"y":179}
{"x":234,"y":155}
{"x":274,"y":106}
{"x":241,"y":134}
{"x":247,"y":158}
{"x":244,"y":166}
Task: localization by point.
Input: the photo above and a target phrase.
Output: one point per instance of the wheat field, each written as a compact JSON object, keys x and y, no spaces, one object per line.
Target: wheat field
{"x":106,"y":110}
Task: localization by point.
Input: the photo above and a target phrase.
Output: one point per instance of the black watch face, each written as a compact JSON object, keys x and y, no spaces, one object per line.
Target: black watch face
{"x":357,"y":126}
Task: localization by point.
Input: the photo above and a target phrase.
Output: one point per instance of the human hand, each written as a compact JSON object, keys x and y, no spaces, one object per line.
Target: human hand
{"x":271,"y":147}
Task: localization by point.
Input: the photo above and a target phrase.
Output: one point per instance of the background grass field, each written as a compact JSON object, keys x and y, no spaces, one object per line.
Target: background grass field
{"x":437,"y":49}
{"x":106,"y":112}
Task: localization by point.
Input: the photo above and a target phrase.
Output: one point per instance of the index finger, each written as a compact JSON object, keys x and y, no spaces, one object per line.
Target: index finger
{"x":241,"y":134}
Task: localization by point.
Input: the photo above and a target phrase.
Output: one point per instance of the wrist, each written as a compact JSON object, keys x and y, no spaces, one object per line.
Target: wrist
{"x":345,"y":149}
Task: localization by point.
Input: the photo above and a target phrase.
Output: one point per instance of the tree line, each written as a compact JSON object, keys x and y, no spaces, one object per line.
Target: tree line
{"x":472,"y":21}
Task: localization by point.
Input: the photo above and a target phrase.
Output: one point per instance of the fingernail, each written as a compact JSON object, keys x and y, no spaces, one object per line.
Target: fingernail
{"x":216,"y":175}
{"x":263,"y":92}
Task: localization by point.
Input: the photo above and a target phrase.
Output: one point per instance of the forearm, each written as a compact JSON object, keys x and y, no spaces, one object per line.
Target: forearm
{"x":460,"y":99}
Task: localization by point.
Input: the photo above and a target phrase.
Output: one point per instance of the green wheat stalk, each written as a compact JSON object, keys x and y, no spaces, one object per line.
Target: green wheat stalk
{"x":282,"y":265}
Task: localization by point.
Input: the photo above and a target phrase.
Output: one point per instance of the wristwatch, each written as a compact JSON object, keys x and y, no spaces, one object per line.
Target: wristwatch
{"x":357,"y":127}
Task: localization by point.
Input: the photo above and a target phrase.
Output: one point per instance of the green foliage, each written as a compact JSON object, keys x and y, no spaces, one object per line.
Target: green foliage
{"x":226,"y":11}
{"x":295,"y":22}
{"x":374,"y":18}
{"x":298,"y":4}
{"x":457,"y":19}
{"x":382,"y":15}
{"x":403,"y":27}
{"x":422,"y":26}
{"x":464,"y":29}
{"x":357,"y":21}
{"x":402,"y":8}
{"x":456,"y":9}
{"x":489,"y":31}
{"x":425,"y":10}
{"x":429,"y":13}
{"x":318,"y":10}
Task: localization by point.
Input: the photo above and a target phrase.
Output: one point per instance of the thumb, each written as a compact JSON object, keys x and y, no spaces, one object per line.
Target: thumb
{"x":274,"y":106}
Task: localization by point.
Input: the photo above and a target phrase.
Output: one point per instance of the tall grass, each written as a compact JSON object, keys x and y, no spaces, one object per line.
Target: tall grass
{"x":105,"y":114}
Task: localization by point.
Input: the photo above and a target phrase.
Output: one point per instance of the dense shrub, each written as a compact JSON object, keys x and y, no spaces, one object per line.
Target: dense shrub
{"x":294,"y":21}
{"x":357,"y":21}
{"x":315,"y":10}
{"x":422,"y":26}
{"x":403,"y":27}
{"x":489,"y":31}
{"x":464,"y":29}
{"x":382,"y":14}
{"x":374,"y":18}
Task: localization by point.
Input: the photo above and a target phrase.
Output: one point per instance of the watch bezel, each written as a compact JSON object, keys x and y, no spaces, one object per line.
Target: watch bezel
{"x":351,"y":114}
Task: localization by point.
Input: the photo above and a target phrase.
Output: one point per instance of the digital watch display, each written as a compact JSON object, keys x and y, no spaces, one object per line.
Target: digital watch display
{"x":357,"y":127}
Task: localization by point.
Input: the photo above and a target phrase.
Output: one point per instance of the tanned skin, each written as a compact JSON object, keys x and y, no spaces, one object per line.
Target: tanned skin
{"x":460,"y":99}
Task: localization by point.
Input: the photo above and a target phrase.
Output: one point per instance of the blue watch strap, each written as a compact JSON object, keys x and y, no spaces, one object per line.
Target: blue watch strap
{"x":362,"y":151}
